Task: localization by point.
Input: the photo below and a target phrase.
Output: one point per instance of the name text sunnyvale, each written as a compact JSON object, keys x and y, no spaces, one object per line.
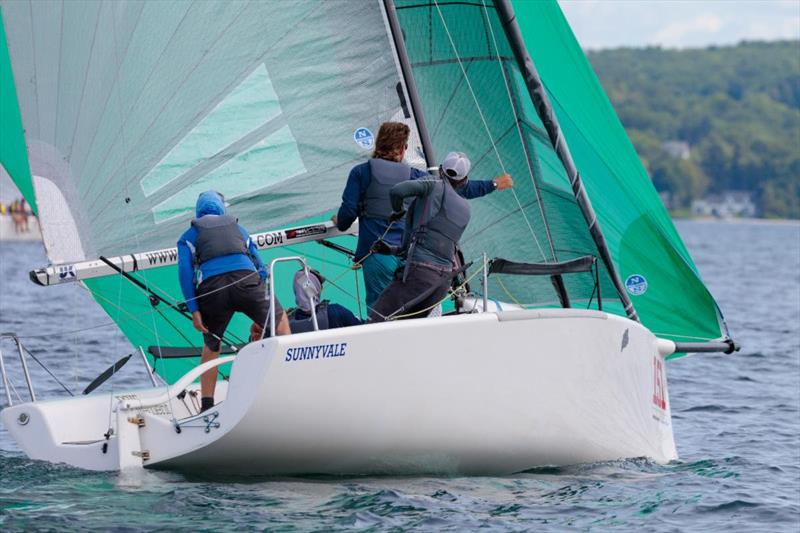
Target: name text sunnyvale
{"x":323,"y":351}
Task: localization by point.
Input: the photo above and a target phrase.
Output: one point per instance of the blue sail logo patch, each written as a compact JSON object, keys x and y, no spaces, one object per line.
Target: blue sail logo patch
{"x":364,"y":138}
{"x":636,"y":284}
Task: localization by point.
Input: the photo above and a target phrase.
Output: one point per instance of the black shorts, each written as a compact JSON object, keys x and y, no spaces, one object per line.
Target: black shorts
{"x":240,"y":291}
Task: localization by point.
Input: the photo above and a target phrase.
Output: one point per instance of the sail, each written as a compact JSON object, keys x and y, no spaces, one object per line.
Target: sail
{"x":474,"y":100}
{"x":130,"y":109}
{"x":13,"y":156}
{"x":663,"y":281}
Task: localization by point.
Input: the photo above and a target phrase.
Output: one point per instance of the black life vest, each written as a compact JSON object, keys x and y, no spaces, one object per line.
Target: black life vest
{"x":218,"y":235}
{"x":384,"y":175}
{"x":302,"y":325}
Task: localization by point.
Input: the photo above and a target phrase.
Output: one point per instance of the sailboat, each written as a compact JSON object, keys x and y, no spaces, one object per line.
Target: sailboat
{"x":551,"y":348}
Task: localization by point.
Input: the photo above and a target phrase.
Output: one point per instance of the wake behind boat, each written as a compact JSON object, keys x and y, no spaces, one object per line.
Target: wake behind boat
{"x":553,"y":345}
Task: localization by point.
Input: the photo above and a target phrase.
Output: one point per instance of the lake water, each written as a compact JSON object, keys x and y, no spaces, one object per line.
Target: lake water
{"x":736,"y":421}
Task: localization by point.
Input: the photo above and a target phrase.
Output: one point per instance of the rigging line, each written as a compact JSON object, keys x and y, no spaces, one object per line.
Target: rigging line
{"x":486,"y":125}
{"x":33,"y":356}
{"x":508,"y":292}
{"x":489,"y":226}
{"x":522,"y":142}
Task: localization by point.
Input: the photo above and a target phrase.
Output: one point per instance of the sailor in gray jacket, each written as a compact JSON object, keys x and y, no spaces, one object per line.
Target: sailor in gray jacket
{"x":435,"y":222}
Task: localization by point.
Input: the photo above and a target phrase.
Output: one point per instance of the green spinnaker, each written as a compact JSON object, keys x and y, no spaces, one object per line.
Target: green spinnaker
{"x":13,"y":154}
{"x":641,"y":236}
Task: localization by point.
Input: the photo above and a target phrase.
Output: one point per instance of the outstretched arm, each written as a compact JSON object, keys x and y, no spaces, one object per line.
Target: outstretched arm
{"x":478,"y":188}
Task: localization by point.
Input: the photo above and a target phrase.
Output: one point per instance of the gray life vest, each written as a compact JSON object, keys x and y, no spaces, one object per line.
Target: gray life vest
{"x":438,"y":233}
{"x":217,"y":235}
{"x":384,"y":175}
{"x":302,"y":325}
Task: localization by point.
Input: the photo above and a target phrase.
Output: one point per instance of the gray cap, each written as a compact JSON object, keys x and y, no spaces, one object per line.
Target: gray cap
{"x":306,"y":290}
{"x":456,"y":166}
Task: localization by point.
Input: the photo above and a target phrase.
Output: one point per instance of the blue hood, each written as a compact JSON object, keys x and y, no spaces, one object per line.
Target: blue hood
{"x":209,"y":203}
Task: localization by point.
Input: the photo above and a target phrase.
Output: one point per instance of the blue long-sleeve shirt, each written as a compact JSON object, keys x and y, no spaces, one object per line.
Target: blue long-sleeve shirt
{"x":213,"y":267}
{"x":371,"y":229}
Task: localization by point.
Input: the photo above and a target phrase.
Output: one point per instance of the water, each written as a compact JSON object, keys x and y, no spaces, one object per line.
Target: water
{"x":736,"y":422}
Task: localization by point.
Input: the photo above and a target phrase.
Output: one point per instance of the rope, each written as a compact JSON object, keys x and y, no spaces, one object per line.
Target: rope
{"x":62,"y":333}
{"x":502,"y":285}
{"x":33,"y":356}
{"x":486,"y":125}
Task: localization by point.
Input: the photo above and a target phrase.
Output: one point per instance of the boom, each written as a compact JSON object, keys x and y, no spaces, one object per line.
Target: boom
{"x":66,"y":273}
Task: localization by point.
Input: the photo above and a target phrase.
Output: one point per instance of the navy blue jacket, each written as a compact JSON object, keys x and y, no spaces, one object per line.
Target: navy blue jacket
{"x":371,"y":229}
{"x":338,"y":316}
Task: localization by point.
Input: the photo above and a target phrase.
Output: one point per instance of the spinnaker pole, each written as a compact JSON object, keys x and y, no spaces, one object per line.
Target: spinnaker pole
{"x":546,"y":113}
{"x":408,"y":80}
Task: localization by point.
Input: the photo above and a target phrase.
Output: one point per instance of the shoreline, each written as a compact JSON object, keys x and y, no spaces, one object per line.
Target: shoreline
{"x":741,"y":220}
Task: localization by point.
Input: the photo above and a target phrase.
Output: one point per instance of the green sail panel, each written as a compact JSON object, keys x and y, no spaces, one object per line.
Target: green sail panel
{"x":13,"y":155}
{"x":642,"y":239}
{"x":474,"y":100}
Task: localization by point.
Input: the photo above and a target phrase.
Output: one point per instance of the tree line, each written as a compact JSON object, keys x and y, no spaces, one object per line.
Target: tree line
{"x":737,"y":107}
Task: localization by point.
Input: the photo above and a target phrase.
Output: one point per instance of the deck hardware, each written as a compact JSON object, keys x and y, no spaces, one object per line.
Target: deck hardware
{"x":210,"y":421}
{"x":23,"y":419}
{"x":138,"y":420}
{"x":144,"y":454}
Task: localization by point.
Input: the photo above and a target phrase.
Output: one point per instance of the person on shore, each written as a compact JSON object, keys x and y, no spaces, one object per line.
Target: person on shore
{"x":220,"y":273}
{"x":436,"y":219}
{"x":366,"y":197}
{"x":307,"y":290}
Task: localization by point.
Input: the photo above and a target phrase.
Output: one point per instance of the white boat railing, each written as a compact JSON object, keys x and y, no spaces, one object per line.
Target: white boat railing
{"x":173,"y":391}
{"x":272,"y":264}
{"x":24,"y":363}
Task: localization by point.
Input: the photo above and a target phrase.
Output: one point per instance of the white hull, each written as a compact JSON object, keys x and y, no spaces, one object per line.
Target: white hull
{"x":492,"y":393}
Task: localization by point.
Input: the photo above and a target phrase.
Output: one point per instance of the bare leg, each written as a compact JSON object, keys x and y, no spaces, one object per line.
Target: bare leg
{"x":208,"y":381}
{"x":283,"y":326}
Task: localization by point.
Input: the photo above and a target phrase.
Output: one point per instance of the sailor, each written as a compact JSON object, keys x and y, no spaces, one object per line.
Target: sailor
{"x":366,"y":197}
{"x":307,"y":290}
{"x":220,"y":273}
{"x":436,"y":219}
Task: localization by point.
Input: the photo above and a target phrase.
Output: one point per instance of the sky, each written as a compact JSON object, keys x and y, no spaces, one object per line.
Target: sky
{"x":680,"y":23}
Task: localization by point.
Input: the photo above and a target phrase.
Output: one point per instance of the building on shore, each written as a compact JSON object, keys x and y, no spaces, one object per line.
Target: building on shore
{"x":728,"y":204}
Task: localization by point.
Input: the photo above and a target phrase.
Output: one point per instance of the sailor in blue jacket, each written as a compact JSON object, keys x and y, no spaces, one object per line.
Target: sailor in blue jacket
{"x":366,"y":197}
{"x":220,"y":273}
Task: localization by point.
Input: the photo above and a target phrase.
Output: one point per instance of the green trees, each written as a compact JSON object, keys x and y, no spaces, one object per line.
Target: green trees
{"x":737,"y":108}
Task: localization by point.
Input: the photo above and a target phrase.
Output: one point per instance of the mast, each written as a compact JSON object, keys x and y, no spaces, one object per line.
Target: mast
{"x":546,"y":113}
{"x":408,"y":78}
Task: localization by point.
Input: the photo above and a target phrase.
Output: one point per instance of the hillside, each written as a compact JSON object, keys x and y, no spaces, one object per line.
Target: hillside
{"x":736,"y":109}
